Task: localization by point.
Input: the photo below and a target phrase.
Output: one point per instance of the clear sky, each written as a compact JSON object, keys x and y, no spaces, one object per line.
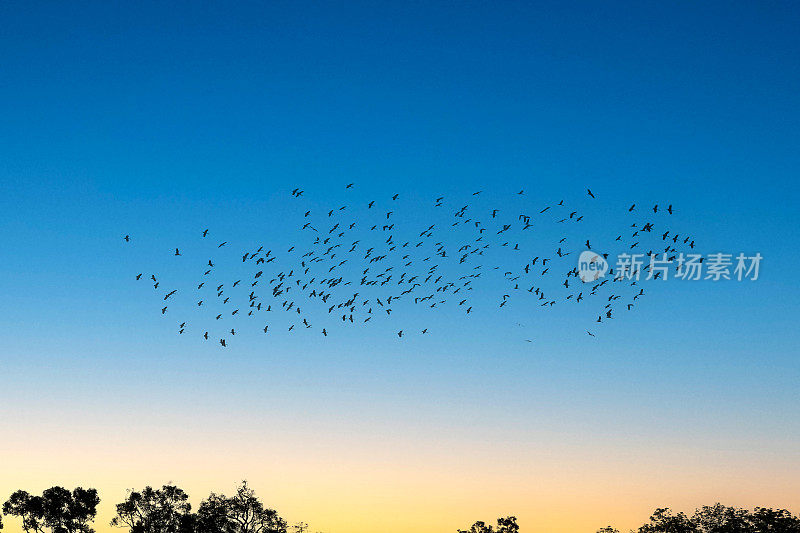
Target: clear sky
{"x":161,"y":120}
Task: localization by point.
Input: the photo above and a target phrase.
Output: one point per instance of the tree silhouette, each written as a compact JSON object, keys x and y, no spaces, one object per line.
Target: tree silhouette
{"x":719,"y":518}
{"x":167,"y":510}
{"x":164,"y":510}
{"x":504,"y":525}
{"x":507,"y":525}
{"x":29,"y":508}
{"x":715,"y":518}
{"x":57,"y":510}
{"x":241,"y":513}
{"x":300,"y":527}
{"x":663,"y":521}
{"x":778,"y":521}
{"x":478,"y":527}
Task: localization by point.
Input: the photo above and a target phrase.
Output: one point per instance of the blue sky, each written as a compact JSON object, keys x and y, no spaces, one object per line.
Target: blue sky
{"x":161,"y":121}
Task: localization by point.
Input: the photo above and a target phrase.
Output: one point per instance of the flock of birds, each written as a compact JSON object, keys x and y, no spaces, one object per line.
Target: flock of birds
{"x":358,"y":264}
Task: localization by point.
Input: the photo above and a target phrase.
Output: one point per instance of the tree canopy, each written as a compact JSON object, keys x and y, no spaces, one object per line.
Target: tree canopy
{"x":164,"y":510}
{"x":57,"y":510}
{"x":240,"y":513}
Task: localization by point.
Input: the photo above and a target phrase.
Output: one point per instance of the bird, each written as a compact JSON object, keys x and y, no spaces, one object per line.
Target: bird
{"x":127,"y":238}
{"x":177,"y":252}
{"x":590,"y":192}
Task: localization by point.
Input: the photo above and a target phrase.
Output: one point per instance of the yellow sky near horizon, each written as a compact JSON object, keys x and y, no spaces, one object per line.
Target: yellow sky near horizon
{"x":352,"y":485}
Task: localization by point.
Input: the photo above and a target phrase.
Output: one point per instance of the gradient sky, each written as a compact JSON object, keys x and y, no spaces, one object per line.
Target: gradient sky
{"x":158,"y":121}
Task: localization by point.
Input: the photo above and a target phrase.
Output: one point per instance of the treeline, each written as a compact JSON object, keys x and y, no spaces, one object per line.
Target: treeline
{"x":716,"y":518}
{"x":167,"y":510}
{"x":164,"y":510}
{"x":719,"y":518}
